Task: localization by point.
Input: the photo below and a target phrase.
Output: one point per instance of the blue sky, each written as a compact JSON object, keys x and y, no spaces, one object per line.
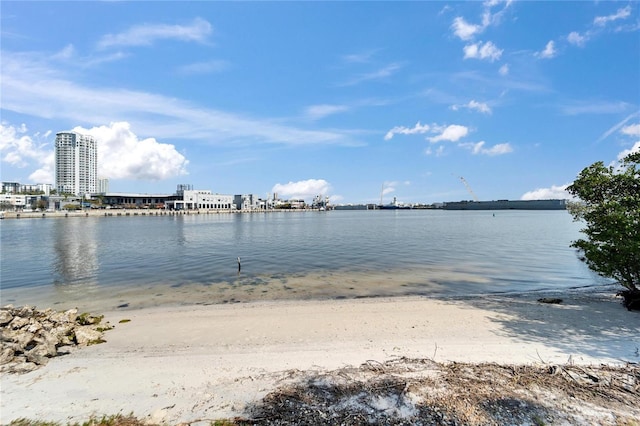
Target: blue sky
{"x":345,"y":99}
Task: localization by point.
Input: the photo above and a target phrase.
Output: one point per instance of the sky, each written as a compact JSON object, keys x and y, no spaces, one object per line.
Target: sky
{"x":359,"y":101}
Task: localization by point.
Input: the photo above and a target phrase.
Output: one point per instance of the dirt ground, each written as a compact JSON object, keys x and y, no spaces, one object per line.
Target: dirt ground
{"x":423,"y":392}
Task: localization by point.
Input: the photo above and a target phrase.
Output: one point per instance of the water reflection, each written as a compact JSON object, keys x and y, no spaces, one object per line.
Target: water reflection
{"x":75,"y":258}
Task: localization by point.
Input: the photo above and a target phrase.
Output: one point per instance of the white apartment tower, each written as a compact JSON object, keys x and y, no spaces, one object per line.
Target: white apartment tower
{"x":76,"y":163}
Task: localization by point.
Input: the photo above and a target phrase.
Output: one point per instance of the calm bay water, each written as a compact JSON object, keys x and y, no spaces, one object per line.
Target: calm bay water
{"x":135,"y":261}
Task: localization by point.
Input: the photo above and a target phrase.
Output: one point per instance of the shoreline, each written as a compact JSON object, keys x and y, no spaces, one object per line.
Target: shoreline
{"x":180,"y":363}
{"x":137,"y":212}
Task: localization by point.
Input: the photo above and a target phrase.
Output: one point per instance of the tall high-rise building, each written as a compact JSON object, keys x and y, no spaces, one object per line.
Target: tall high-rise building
{"x":76,"y":163}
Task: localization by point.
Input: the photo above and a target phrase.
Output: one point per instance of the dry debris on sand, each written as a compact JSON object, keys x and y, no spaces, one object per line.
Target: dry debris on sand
{"x":423,"y":392}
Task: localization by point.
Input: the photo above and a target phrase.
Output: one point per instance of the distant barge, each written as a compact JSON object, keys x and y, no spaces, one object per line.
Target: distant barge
{"x":507,"y":205}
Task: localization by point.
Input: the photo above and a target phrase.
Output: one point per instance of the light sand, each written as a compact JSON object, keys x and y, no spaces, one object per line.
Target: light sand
{"x":205,"y":362}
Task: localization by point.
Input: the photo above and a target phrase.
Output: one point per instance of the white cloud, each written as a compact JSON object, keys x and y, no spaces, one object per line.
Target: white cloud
{"x":382,"y":73}
{"x":29,"y":85}
{"x":359,"y":58}
{"x":147,"y":34}
{"x":451,"y":133}
{"x":20,"y":150}
{"x":208,"y":67}
{"x":316,"y":112}
{"x":618,"y":126}
{"x":401,"y":130}
{"x":552,"y":193}
{"x":389,"y":187}
{"x":620,"y":14}
{"x":122,"y":155}
{"x":464,"y":30}
{"x":577,"y":39}
{"x":474,"y":105}
{"x":634,"y":148}
{"x":504,"y":70}
{"x":594,"y":107}
{"x":67,"y":52}
{"x":304,"y":189}
{"x":479,"y":148}
{"x":631,"y":130}
{"x":548,"y":52}
{"x":499,"y":149}
{"x":487,"y":50}
{"x":439,"y":152}
{"x":467,"y":31}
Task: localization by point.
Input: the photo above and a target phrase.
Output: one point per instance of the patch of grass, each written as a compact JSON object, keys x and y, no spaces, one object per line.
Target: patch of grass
{"x":28,"y":422}
{"x":88,"y":319}
{"x":113,"y":420}
{"x":537,"y":421}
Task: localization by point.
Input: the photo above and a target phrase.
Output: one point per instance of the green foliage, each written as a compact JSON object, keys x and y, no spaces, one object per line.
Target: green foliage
{"x":610,"y":208}
{"x":40,"y":205}
{"x":87,"y":319}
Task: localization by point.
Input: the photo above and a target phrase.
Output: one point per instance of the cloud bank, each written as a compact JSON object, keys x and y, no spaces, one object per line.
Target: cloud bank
{"x":304,"y":189}
{"x":147,"y":34}
{"x":553,"y":193}
{"x":121,"y":154}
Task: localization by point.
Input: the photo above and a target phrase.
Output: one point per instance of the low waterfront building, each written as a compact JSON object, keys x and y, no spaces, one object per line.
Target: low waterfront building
{"x":131,"y":200}
{"x":507,"y":205}
{"x":248,"y":202}
{"x":201,"y":199}
{"x":12,"y":201}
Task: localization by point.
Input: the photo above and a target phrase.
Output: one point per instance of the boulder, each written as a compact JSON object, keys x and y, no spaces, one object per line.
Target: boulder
{"x":86,"y":335}
{"x":5,"y":317}
{"x":18,"y":322}
{"x":29,"y":338}
{"x":6,"y":356}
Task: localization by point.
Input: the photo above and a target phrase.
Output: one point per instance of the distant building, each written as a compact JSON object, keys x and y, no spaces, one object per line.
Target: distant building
{"x":195,"y":199}
{"x":10,"y":187}
{"x":248,"y":202}
{"x":102,"y":186}
{"x":11,"y":201}
{"x":76,"y":162}
{"x":133,"y":200}
{"x":18,"y":188}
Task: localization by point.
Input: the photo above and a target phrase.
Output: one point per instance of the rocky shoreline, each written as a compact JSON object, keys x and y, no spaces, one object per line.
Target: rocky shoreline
{"x":30,"y":337}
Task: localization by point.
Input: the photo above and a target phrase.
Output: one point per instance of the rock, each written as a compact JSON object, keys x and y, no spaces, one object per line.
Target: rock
{"x":86,"y":335}
{"x":18,"y":322}
{"x":6,"y":356}
{"x":66,"y":317}
{"x":29,"y":338}
{"x":550,"y":300}
{"x":22,"y":367}
{"x":5,"y":317}
{"x":34,"y":327}
{"x":36,"y":358}
{"x":26,"y":312}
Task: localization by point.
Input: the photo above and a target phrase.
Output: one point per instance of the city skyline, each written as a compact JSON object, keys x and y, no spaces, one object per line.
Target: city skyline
{"x":392,"y":99}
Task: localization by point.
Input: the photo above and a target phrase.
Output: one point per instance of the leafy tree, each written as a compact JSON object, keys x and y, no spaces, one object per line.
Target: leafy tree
{"x":610,"y":208}
{"x":40,"y":205}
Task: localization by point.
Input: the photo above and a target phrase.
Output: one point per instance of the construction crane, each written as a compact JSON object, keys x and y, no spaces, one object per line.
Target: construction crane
{"x":466,"y":184}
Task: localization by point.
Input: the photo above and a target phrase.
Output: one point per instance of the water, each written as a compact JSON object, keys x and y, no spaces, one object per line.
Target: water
{"x":135,"y":261}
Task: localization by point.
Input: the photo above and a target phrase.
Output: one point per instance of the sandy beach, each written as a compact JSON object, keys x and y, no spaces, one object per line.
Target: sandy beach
{"x":180,"y":364}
